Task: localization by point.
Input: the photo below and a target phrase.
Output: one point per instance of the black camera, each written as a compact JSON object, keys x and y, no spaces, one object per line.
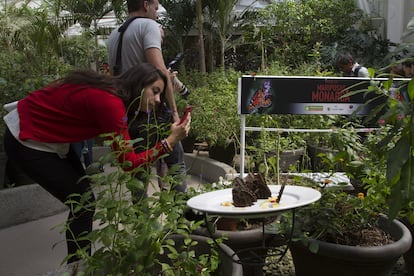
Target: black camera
{"x":184,"y":91}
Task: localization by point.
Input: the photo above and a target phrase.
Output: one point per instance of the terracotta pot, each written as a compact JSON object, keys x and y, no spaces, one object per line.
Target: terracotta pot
{"x":336,"y":259}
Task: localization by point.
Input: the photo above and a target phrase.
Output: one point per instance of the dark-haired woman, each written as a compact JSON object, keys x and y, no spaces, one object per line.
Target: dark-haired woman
{"x":41,"y":126}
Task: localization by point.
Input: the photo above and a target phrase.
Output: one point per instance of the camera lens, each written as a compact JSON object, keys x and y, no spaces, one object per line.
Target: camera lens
{"x":184,"y":91}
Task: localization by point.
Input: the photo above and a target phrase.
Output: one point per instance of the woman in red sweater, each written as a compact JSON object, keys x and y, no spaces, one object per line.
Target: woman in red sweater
{"x":81,"y":106}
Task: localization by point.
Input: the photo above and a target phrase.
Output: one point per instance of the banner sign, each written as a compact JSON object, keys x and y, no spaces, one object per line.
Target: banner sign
{"x":303,"y":95}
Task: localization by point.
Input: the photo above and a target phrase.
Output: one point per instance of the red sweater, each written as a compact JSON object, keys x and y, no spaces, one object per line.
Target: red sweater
{"x":72,"y":114}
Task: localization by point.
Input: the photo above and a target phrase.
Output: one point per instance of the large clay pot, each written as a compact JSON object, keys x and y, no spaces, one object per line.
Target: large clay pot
{"x":336,"y":259}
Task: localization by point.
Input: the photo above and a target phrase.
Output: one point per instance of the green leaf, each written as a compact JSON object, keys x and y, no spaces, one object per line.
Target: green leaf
{"x":135,"y":185}
{"x":407,"y":180}
{"x":371,"y":72}
{"x":398,"y":156}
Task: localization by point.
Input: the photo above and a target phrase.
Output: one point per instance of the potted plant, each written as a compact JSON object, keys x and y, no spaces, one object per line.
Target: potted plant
{"x":287,"y":148}
{"x":214,"y":118}
{"x":323,"y":141}
{"x":354,"y":157}
{"x":346,"y":235}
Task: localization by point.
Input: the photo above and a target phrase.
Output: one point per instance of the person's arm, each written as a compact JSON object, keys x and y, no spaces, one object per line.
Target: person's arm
{"x":154,"y":56}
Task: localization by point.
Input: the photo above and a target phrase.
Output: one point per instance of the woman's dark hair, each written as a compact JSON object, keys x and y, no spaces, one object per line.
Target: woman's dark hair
{"x":86,"y":78}
{"x":128,"y":86}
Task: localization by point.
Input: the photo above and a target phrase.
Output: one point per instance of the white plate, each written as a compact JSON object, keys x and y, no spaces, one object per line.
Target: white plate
{"x":293,"y":197}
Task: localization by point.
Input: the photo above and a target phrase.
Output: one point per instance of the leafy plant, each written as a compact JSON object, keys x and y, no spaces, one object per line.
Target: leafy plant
{"x":270,"y":147}
{"x":288,"y":29}
{"x":397,"y":144}
{"x":134,"y":234}
{"x":214,"y":118}
{"x":31,"y":34}
{"x":338,"y":217}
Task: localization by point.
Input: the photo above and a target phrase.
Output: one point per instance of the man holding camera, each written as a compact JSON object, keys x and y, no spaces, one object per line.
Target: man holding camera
{"x":141,"y":42}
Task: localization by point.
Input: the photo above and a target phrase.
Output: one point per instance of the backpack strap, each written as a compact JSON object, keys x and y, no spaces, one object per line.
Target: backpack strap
{"x":117,"y":69}
{"x":356,"y":71}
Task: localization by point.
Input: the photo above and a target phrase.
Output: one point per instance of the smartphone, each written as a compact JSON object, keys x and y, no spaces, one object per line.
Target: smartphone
{"x":187,"y":110}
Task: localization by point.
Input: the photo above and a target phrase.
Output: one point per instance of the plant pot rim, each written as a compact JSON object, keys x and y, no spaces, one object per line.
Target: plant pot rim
{"x":319,"y":147}
{"x":252,"y":235}
{"x":297,"y":151}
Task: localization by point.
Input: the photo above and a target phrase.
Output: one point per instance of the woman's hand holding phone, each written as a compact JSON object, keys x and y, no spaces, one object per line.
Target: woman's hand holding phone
{"x":179,"y":131}
{"x":188,"y":109}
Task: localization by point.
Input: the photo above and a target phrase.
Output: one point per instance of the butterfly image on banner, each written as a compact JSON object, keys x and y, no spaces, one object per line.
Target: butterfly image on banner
{"x":261,"y":99}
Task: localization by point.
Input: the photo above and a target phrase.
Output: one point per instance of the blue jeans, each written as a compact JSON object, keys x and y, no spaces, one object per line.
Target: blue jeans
{"x":174,"y":163}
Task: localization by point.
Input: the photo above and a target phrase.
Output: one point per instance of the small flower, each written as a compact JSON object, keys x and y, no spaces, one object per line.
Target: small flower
{"x":381,"y":121}
{"x":400,"y":117}
{"x":361,"y":195}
